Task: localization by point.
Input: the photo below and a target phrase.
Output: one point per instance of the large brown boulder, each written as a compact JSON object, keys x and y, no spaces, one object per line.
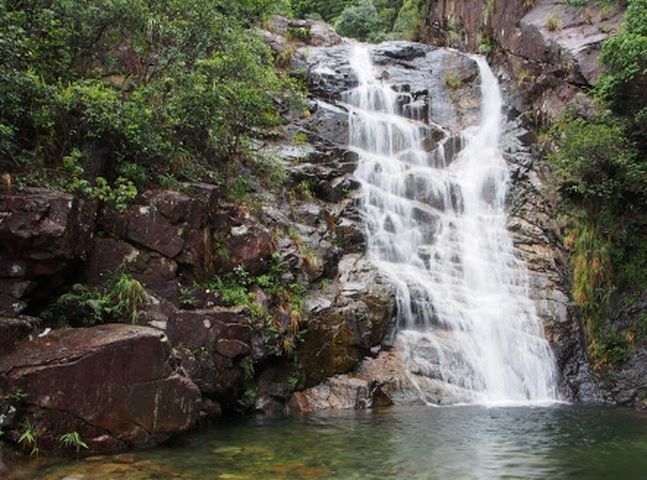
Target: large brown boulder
{"x":116,"y":385}
{"x":344,"y":325}
{"x":43,"y":235}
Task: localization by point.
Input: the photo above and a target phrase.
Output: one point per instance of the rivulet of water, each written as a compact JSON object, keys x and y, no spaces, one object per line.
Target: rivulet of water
{"x":467,"y":328}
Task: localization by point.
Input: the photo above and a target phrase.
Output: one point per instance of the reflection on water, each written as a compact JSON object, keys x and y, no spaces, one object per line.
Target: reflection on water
{"x":425,"y":443}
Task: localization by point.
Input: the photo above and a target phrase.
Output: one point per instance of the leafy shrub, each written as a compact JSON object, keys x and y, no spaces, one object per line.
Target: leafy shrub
{"x":236,"y":289}
{"x":359,"y":21}
{"x":624,"y":82}
{"x":596,"y":164}
{"x":73,"y":440}
{"x":407,"y":21}
{"x":120,"y":300}
{"x":325,"y":9}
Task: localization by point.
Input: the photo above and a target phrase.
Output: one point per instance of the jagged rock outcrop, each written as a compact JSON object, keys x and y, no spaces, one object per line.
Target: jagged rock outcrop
{"x":550,"y":47}
{"x":118,"y":386}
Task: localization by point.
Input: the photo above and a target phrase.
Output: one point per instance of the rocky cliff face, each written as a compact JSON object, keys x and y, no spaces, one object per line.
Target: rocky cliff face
{"x":548,"y":47}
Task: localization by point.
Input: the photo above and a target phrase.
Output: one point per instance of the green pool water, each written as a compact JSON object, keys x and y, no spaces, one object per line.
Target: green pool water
{"x":561,"y":442}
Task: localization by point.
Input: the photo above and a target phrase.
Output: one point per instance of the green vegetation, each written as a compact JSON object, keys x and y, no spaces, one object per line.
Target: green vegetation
{"x":601,"y":167}
{"x":139,"y":91}
{"x":360,"y":21}
{"x":452,"y":81}
{"x":29,"y":438}
{"x":553,"y":23}
{"x":119,"y":301}
{"x":281,"y":322}
{"x":73,"y":440}
{"x":366,"y":20}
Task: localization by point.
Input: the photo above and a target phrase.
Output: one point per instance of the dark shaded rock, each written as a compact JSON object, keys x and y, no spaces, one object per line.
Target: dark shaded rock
{"x":43,"y":236}
{"x":149,"y":228}
{"x":113,"y":384}
{"x":209,"y":342}
{"x":14,"y":329}
{"x":156,"y":272}
{"x":247,"y":242}
{"x":629,"y":380}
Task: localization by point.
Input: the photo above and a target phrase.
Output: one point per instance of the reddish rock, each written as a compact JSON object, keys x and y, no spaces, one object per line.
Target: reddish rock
{"x":114,"y":384}
{"x":232,"y":348}
{"x":149,"y":228}
{"x":156,"y":272}
{"x":167,"y":236}
{"x":210,"y":343}
{"x":248,"y":243}
{"x":43,"y":235}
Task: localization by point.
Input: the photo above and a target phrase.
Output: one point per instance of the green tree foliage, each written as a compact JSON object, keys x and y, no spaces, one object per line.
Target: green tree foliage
{"x":326,"y":9}
{"x":360,"y":21}
{"x":366,"y":20}
{"x":157,"y":84}
{"x":597,"y":166}
{"x":625,"y":82}
{"x":406,"y":23}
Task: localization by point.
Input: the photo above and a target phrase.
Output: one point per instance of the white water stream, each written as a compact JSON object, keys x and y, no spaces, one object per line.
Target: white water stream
{"x":468,"y":330}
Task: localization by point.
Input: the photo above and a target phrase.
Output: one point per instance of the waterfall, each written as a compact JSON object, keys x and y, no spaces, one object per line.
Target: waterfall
{"x":468,"y":331}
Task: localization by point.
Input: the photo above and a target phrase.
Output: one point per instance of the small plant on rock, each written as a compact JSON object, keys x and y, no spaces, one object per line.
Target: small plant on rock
{"x":128,"y":296}
{"x":453,"y":81}
{"x":553,"y":23}
{"x":73,"y":440}
{"x":29,"y":438}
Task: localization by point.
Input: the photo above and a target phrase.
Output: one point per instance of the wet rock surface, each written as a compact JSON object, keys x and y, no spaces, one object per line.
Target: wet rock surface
{"x":346,"y":323}
{"x":413,"y":69}
{"x":628,"y":381}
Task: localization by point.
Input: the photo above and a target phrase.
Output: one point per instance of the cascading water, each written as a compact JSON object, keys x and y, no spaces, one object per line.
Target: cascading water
{"x":468,"y":330}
